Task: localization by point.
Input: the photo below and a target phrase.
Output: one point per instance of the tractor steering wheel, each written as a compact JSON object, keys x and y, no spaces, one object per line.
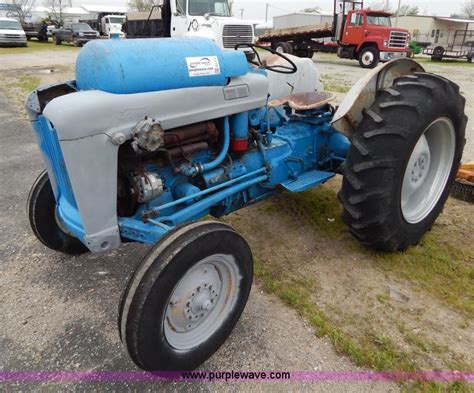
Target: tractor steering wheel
{"x":281,"y":69}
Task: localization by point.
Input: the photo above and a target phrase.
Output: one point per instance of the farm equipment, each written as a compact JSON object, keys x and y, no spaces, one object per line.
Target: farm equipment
{"x":156,"y":134}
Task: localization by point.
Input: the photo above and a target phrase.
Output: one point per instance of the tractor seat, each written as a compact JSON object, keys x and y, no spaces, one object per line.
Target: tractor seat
{"x":304,"y":101}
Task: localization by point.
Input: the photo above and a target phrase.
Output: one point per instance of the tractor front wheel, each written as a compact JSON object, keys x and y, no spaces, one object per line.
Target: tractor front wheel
{"x":403,"y":161}
{"x":186,"y":297}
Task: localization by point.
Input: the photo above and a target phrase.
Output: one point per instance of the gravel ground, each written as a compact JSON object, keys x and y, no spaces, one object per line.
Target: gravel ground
{"x":60,"y":312}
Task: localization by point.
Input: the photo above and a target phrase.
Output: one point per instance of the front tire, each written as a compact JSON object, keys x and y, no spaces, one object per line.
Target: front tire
{"x":41,"y":209}
{"x":403,"y":161}
{"x":185,"y":297}
{"x":369,"y":57}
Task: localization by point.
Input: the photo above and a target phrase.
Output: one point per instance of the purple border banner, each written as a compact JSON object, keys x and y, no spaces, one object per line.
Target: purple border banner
{"x":141,"y":376}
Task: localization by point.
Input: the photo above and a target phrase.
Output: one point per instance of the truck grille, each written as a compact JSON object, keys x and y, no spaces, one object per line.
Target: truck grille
{"x":398,"y":39}
{"x":237,"y":34}
{"x":12,"y":36}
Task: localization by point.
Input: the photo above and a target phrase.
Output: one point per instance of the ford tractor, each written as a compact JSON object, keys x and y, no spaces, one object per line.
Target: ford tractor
{"x":154,"y":136}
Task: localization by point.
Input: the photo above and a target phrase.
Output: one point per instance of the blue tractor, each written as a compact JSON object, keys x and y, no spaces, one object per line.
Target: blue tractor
{"x":156,"y":134}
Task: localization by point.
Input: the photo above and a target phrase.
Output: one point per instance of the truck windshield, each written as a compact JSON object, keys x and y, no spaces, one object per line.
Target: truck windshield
{"x":10,"y":25}
{"x":81,"y":27}
{"x":116,"y":19}
{"x":211,"y":7}
{"x":380,"y":20}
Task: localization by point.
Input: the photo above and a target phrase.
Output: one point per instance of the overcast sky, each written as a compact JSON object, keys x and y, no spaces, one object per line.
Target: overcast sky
{"x":256,"y":9}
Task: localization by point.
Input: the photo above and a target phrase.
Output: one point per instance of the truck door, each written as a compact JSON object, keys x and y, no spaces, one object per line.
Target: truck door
{"x":67,"y":32}
{"x":354,"y":30}
{"x":179,"y":19}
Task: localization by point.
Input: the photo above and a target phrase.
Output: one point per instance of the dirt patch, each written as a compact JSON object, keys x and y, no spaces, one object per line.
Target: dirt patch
{"x":351,"y":285}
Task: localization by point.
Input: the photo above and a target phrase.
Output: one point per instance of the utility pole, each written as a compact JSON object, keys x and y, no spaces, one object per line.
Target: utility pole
{"x":398,"y":12}
{"x":266,"y":12}
{"x":241,"y":13}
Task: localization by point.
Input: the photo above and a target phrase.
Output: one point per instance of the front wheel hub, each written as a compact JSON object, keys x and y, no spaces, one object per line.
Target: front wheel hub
{"x":201,"y":301}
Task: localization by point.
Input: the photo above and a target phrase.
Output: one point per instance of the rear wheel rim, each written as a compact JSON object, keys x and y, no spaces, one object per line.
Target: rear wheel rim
{"x":201,"y":301}
{"x":279,"y":49}
{"x":428,"y":170}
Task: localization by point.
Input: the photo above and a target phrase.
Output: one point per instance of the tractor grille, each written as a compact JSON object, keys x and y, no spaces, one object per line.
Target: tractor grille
{"x":398,"y":39}
{"x":237,"y":34}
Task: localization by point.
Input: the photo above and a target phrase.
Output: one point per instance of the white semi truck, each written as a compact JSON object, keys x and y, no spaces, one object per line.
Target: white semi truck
{"x":193,"y":18}
{"x":108,"y":24}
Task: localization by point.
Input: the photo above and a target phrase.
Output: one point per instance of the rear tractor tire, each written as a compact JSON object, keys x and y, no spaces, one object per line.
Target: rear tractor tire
{"x":403,"y":161}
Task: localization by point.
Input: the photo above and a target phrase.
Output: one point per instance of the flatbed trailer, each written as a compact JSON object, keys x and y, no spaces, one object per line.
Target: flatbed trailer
{"x":301,"y":40}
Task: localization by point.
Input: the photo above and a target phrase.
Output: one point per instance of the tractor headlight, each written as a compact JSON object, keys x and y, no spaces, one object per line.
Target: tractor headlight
{"x":385,"y":43}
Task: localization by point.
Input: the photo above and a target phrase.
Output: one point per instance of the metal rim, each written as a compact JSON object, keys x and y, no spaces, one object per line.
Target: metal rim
{"x":428,"y":170}
{"x":201,"y":301}
{"x":368,"y":58}
{"x":280,"y":49}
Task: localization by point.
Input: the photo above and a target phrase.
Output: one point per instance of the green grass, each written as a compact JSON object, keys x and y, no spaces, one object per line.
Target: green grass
{"x":444,"y":62}
{"x":318,"y":207}
{"x":438,"y":265}
{"x":335,"y":83}
{"x":373,"y":350}
{"x":369,"y":348}
{"x":36,"y":46}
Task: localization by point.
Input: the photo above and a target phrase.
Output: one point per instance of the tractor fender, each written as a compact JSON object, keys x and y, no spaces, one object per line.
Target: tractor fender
{"x":362,"y":95}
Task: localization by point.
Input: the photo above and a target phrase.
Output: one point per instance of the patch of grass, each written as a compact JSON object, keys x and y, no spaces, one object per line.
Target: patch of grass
{"x":334,"y":83}
{"x":373,"y":350}
{"x":444,"y":62}
{"x":318,"y":207}
{"x":26,"y":83}
{"x":36,"y":46}
{"x":439,"y":265}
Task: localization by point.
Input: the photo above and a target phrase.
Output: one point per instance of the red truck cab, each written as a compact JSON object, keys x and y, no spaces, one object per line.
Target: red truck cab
{"x":368,"y":36}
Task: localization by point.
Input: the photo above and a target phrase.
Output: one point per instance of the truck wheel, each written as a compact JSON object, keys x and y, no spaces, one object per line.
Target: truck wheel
{"x":369,"y":57}
{"x":402,"y":161}
{"x":76,"y":42}
{"x":284,"y":47}
{"x":41,"y":209}
{"x":469,"y":58}
{"x":186,"y":297}
{"x":57,"y":40}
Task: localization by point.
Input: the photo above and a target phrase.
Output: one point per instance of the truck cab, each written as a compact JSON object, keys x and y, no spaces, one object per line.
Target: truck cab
{"x":112,"y":24}
{"x":206,"y":18}
{"x":368,"y":36}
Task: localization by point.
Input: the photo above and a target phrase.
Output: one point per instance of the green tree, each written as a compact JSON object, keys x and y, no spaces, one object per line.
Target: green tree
{"x":312,"y":10}
{"x":22,"y":9}
{"x":468,"y":9}
{"x":140,"y":5}
{"x":408,"y":10}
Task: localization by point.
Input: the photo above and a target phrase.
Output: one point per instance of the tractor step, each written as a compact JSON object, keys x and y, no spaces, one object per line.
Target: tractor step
{"x":307,"y":180}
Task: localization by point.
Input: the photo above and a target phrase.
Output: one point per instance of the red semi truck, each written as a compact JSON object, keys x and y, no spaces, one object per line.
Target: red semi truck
{"x":357,"y":33}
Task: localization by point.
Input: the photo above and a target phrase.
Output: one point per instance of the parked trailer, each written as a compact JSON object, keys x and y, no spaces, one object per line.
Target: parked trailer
{"x":359,"y":34}
{"x":460,"y":48}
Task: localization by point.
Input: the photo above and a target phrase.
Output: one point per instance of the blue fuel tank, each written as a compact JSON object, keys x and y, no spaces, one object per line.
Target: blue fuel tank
{"x":153,"y":64}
